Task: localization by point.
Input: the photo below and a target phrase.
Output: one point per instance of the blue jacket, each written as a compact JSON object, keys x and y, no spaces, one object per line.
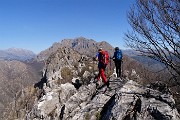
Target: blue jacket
{"x":117,"y":55}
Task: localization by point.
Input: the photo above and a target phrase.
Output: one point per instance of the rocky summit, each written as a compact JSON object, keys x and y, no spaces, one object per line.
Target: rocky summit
{"x":68,"y":91}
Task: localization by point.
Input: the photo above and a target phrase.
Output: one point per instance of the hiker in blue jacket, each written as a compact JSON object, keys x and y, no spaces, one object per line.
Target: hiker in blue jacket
{"x":117,"y":58}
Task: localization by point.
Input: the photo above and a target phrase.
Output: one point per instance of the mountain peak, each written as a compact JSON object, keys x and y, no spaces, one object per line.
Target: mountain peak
{"x":15,"y":49}
{"x":81,"y":44}
{"x":16,"y":54}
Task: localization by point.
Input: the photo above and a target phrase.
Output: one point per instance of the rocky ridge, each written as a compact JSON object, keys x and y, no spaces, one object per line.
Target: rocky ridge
{"x":64,"y":98}
{"x":127,"y":100}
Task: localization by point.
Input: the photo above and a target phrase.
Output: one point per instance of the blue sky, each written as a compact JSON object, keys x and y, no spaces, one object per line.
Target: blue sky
{"x":36,"y":24}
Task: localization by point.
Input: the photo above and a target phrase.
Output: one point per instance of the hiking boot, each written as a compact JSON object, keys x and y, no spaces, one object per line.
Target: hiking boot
{"x":107,"y":83}
{"x":97,"y":84}
{"x":109,"y":88}
{"x":95,"y":81}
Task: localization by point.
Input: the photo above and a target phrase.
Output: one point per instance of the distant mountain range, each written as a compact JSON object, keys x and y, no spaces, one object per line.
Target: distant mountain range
{"x":148,"y":62}
{"x":83,"y":45}
{"x":16,"y":54}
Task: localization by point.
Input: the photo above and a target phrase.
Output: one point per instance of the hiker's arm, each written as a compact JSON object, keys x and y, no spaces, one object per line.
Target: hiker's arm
{"x":113,"y":57}
{"x":96,"y":58}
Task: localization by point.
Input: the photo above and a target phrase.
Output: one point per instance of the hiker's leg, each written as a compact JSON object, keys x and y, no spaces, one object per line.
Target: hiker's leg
{"x":99,"y":74}
{"x":117,"y":71}
{"x":116,"y":64}
{"x":103,"y":76}
{"x":119,"y":68}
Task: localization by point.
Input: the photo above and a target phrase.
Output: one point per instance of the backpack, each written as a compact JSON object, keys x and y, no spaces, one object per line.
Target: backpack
{"x":104,"y":58}
{"x":118,"y":55}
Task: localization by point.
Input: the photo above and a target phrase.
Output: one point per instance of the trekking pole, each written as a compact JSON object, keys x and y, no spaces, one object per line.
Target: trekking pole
{"x":122,"y":68}
{"x":93,"y":62}
{"x":110,"y":64}
{"x":93,"y":65}
{"x":107,"y":71}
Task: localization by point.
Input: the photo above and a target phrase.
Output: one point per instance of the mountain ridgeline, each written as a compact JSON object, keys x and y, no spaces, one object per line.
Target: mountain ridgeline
{"x":90,"y":47}
{"x":67,"y":90}
{"x":16,"y":54}
{"x":82,"y":45}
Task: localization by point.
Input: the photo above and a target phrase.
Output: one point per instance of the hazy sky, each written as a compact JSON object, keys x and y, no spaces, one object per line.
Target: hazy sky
{"x":36,"y":24}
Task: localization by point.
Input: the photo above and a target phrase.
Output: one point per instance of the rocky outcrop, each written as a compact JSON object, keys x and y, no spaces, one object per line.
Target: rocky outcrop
{"x":126,"y":100}
{"x":64,"y":65}
{"x":77,"y":100}
{"x":68,"y":92}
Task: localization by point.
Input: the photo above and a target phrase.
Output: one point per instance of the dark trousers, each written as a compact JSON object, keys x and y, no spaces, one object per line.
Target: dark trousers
{"x":118,"y":67}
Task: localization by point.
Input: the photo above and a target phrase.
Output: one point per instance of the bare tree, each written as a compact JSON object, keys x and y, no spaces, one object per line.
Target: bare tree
{"x":156,"y":32}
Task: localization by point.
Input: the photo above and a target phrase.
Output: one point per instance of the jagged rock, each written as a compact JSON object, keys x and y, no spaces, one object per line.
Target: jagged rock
{"x":81,"y":100}
{"x":125,"y":100}
{"x":150,"y":108}
{"x":63,"y":57}
{"x":63,"y":65}
{"x":51,"y":102}
{"x":86,"y":74}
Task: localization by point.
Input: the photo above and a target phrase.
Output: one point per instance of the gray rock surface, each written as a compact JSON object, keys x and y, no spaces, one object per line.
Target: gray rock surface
{"x":82,"y":99}
{"x":126,"y":100}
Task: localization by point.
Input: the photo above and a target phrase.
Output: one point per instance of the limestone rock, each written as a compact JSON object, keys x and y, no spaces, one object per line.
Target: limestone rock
{"x":125,"y":100}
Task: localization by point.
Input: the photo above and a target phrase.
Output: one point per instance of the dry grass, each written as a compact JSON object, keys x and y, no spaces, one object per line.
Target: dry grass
{"x":66,"y":74}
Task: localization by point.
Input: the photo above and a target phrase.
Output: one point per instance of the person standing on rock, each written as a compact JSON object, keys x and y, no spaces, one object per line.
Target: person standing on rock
{"x":103,"y":58}
{"x":117,"y":58}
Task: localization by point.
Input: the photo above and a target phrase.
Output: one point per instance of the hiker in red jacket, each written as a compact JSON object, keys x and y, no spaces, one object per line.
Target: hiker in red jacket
{"x":103,"y":58}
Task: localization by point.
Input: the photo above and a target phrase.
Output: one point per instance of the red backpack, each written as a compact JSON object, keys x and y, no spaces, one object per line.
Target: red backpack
{"x":104,"y":57}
